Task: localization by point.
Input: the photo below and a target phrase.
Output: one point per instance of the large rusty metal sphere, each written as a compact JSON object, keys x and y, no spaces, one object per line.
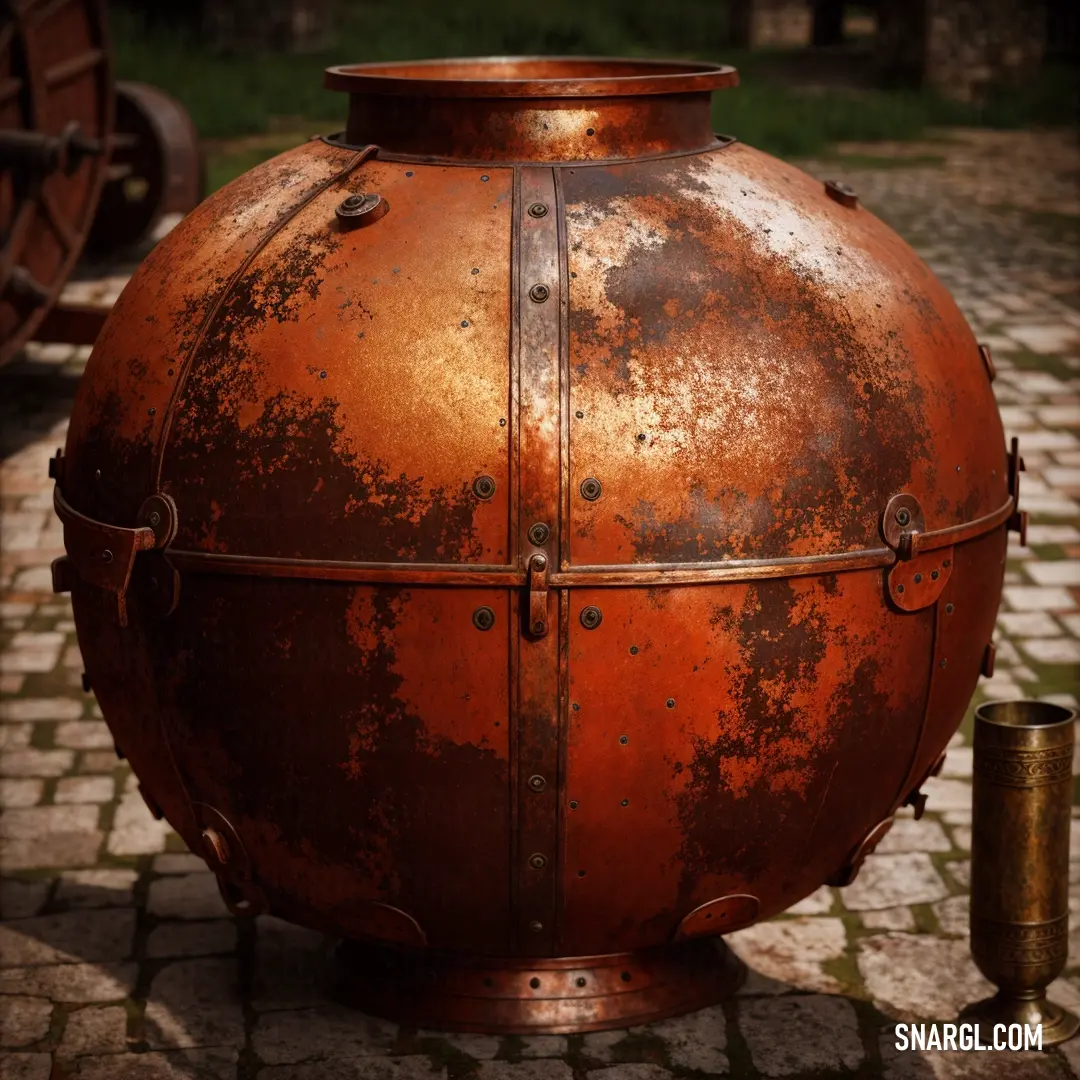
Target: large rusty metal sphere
{"x":536,"y":527}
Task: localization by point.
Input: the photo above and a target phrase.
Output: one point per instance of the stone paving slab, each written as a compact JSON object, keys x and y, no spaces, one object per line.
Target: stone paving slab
{"x":118,"y":959}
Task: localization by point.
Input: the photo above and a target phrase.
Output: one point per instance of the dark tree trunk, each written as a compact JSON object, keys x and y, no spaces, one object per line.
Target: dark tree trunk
{"x":828,"y":23}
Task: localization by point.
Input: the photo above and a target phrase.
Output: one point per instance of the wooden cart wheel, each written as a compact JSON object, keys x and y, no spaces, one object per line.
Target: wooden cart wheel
{"x":56,"y":113}
{"x":156,"y":168}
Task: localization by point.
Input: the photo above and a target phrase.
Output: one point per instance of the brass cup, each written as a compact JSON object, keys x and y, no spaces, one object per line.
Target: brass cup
{"x":1020,"y":862}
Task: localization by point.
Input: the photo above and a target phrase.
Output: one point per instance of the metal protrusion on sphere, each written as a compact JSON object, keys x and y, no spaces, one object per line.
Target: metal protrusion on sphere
{"x":1020,"y":863}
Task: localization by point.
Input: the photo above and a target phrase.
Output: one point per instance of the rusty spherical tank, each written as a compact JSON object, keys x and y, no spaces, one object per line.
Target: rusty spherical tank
{"x":535,"y":533}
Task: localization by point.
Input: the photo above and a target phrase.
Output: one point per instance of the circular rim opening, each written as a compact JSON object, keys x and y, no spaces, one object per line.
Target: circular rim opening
{"x":531,"y":77}
{"x":1024,"y":714}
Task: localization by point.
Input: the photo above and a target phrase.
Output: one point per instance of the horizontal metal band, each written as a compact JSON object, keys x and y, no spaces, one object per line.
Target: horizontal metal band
{"x":957,"y":534}
{"x":471,"y":576}
{"x":337,"y":140}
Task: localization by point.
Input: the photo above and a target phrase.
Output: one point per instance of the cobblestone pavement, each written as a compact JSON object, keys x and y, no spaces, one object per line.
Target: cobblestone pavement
{"x":117,"y":959}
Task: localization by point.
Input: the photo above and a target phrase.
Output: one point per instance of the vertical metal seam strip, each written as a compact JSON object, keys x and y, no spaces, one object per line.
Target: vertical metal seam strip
{"x":563,"y":595}
{"x":514,"y":556}
{"x":158,"y":456}
{"x":911,"y":775}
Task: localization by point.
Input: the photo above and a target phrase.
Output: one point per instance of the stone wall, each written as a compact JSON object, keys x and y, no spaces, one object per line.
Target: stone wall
{"x":765,"y":24}
{"x":975,"y":45}
{"x":268,"y":25}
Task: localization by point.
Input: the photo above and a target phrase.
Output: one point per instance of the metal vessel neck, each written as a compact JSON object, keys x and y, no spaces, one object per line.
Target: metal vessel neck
{"x":546,"y":109}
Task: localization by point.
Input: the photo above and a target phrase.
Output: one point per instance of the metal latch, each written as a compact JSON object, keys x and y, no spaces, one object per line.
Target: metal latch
{"x":1018,"y":519}
{"x":538,"y":595}
{"x":104,"y":555}
{"x":918,"y":576}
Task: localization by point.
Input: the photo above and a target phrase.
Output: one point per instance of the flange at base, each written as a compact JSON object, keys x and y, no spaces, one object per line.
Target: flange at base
{"x":1058,"y":1024}
{"x":523,"y":996}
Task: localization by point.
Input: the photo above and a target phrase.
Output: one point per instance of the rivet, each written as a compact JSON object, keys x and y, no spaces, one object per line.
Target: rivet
{"x":670,"y":703}
{"x":581,"y":873}
{"x":899,"y":588}
{"x":591,"y":488}
{"x":170,"y":373}
{"x":949,"y":609}
{"x":591,"y":617}
{"x":409,"y":173}
{"x":539,"y":293}
{"x":576,"y":707}
{"x":322,"y":374}
{"x":539,"y":533}
{"x":934,"y":575}
{"x":483,"y":487}
{"x":476,"y":269}
{"x":539,"y":627}
{"x":502,"y":421}
{"x":946,"y":562}
{"x":485,"y":178}
{"x":573,"y":804}
{"x":537,"y":783}
{"x":151,"y":411}
{"x":903,"y":516}
{"x":626,"y":802}
{"x":944,"y":663}
{"x":625,"y":976}
{"x":106,"y":556}
{"x":590,"y":131}
{"x":624,"y":739}
{"x":918,"y":578}
{"x":97,"y":474}
{"x":154,"y":519}
{"x":641,"y":437}
{"x":580,"y":415}
{"x":536,"y":927}
{"x":633,"y":650}
{"x":538,"y":861}
{"x":483,"y":618}
{"x":537,"y":210}
{"x":841,"y":193}
{"x":464,"y":322}
{"x":534,"y":982}
{"x":580,"y":980}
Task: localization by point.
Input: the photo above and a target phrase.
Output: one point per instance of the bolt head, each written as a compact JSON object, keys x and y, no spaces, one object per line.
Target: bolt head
{"x":155,"y":519}
{"x":483,"y":618}
{"x":903,"y":516}
{"x":539,"y":533}
{"x":590,"y":489}
{"x":538,"y":210}
{"x":483,"y":487}
{"x":539,"y":293}
{"x":591,"y":617}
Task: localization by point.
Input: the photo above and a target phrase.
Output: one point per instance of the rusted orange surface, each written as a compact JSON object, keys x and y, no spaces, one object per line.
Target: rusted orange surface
{"x":535,"y":594}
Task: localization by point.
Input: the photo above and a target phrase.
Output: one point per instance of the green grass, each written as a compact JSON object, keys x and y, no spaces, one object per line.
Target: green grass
{"x":234,"y":96}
